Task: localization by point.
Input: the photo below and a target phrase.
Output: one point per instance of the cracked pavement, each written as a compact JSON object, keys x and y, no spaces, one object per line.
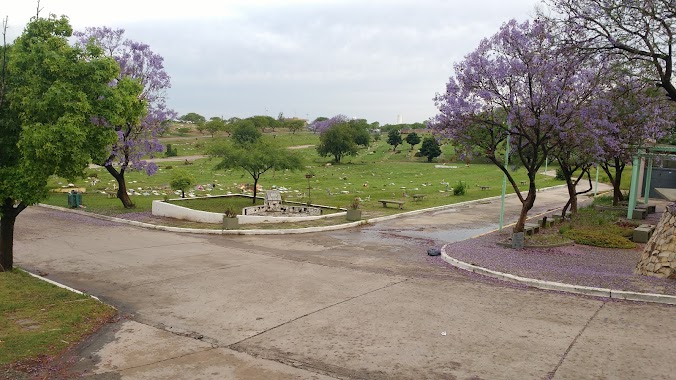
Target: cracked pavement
{"x":363,"y":303}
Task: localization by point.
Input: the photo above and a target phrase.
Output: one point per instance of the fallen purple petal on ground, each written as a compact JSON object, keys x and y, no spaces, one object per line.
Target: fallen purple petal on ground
{"x":575,"y":264}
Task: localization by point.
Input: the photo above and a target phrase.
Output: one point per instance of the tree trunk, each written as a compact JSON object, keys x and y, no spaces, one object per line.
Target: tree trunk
{"x":615,"y":180}
{"x":572,"y":192}
{"x":9,"y":214}
{"x":526,"y":205}
{"x":617,"y":192}
{"x":121,"y":186}
{"x":255,"y":191}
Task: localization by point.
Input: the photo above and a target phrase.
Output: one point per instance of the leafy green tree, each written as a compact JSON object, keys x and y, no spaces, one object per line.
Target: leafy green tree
{"x":264,"y":122}
{"x":430,"y":148}
{"x":48,"y":92}
{"x":138,"y":117}
{"x":360,"y":132}
{"x":294,"y":125}
{"x":256,"y":158}
{"x":337,"y":141}
{"x":394,"y":138}
{"x":215,"y":124}
{"x":413,"y":139}
{"x":245,"y":132}
{"x":193,"y":117}
{"x":181,"y":180}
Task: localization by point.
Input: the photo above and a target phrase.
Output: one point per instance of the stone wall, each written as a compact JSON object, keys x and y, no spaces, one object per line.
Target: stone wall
{"x":659,"y":254}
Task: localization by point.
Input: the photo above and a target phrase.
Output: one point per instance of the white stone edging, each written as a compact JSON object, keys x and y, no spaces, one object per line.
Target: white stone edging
{"x":559,"y":286}
{"x":60,"y":285}
{"x":277,"y":231}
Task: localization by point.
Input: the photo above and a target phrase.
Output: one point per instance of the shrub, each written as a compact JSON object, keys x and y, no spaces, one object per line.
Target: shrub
{"x":564,"y":228}
{"x":559,"y":175}
{"x":599,"y":238}
{"x":603,"y":200}
{"x":171,"y":152}
{"x":230,"y":212}
{"x":181,"y":180}
{"x":168,"y":167}
{"x":460,"y":188}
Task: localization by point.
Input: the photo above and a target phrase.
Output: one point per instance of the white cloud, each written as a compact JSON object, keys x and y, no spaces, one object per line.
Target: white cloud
{"x":373,"y":59}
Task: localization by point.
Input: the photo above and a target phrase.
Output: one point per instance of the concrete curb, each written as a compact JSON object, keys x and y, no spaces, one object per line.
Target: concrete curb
{"x":278,"y":231}
{"x":60,"y":285}
{"x":559,"y":286}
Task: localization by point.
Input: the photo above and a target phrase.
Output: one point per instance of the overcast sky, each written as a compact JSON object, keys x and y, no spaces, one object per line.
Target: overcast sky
{"x":374,"y":59}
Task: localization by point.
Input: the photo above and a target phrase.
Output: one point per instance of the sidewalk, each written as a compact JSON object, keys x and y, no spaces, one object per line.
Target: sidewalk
{"x":580,"y":267}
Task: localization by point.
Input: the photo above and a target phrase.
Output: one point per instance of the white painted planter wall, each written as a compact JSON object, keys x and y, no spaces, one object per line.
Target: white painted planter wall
{"x":170,"y":210}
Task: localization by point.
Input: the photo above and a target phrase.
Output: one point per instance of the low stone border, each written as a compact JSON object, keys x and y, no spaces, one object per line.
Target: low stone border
{"x":559,"y":286}
{"x":280,"y":231}
{"x":60,"y":285}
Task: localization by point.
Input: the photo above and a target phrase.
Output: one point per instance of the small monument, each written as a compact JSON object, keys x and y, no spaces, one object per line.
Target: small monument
{"x":273,"y":207}
{"x":273,"y":201}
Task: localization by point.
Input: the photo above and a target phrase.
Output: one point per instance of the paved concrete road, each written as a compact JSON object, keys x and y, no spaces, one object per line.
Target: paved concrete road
{"x":361,"y":303}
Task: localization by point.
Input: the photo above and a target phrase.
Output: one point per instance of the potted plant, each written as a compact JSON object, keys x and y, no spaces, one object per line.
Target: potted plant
{"x":353,"y":212}
{"x":230,"y":221}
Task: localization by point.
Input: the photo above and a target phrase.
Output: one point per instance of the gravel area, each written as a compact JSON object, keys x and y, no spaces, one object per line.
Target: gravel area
{"x":575,"y":264}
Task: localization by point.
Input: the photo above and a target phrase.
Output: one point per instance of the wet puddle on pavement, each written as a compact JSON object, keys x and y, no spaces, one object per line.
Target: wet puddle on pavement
{"x":435,"y":235}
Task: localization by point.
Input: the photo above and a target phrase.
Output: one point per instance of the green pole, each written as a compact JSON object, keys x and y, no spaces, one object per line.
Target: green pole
{"x":546,"y":162}
{"x":633,"y":189}
{"x":504,"y":186}
{"x":596,"y":187}
{"x":648,"y":177}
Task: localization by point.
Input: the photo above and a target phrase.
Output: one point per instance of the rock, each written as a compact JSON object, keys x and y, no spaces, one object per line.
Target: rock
{"x":434,"y":251}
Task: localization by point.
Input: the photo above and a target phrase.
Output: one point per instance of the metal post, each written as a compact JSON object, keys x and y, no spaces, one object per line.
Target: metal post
{"x":504,"y":186}
{"x":596,"y":187}
{"x":648,"y":177}
{"x":546,"y":162}
{"x":633,"y":188}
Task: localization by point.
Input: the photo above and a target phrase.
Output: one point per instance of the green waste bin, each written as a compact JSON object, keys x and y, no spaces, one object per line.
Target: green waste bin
{"x":74,"y":199}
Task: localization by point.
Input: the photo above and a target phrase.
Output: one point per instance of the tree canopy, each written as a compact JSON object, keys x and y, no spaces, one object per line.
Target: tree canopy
{"x":524,"y":83}
{"x":413,"y":139}
{"x":138,"y":117}
{"x":193,"y":117}
{"x":640,"y":33}
{"x":394,"y":138}
{"x":341,"y":137}
{"x":245,"y":132}
{"x":256,"y":158}
{"x":430,"y":148}
{"x":49,"y":91}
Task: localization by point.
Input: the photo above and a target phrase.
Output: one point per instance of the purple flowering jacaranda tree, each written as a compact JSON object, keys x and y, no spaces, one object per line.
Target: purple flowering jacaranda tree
{"x":639,"y":33}
{"x":519,"y":82}
{"x":137,"y":130}
{"x":636,"y":115}
{"x":322,"y":124}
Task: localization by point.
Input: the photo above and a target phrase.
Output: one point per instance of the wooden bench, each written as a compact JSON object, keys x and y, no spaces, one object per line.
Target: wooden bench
{"x":485,"y":187}
{"x":523,"y":182}
{"x":418,"y":197}
{"x":386,"y":201}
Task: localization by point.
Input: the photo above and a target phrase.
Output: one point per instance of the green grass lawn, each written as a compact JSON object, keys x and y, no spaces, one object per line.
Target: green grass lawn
{"x":375,"y":173}
{"x":39,"y":320}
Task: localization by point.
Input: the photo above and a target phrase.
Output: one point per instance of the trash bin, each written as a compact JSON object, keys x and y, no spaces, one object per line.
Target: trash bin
{"x":74,"y":199}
